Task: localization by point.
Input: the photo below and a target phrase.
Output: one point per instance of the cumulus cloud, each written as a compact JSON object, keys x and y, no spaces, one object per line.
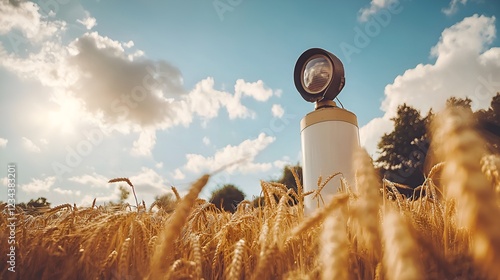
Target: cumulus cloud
{"x":39,"y":185}
{"x":246,"y":151}
{"x":89,"y":22}
{"x":372,"y":132}
{"x":257,"y":90}
{"x":93,"y":180}
{"x":374,"y":7}
{"x":123,"y":91}
{"x":103,"y":198}
{"x":206,"y":141}
{"x":30,"y":146}
{"x":178,"y":175}
{"x":453,"y":7}
{"x":148,"y":181}
{"x":466,"y":66}
{"x":24,"y":16}
{"x":3,"y":143}
{"x":110,"y":84}
{"x":145,"y":143}
{"x":67,"y":192}
{"x":277,"y":111}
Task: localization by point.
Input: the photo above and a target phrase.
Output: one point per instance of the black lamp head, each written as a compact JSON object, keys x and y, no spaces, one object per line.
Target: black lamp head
{"x":318,"y":75}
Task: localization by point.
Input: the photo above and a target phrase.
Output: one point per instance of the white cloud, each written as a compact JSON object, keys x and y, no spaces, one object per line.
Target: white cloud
{"x":93,"y":180}
{"x":67,"y":192}
{"x":107,"y":84}
{"x":178,"y":175}
{"x":103,"y":198}
{"x":145,"y":143}
{"x":38,"y":185}
{"x":205,"y":101}
{"x":30,"y":146}
{"x":281,"y":163}
{"x":277,"y":111}
{"x":25,"y":17}
{"x":371,"y":133}
{"x":466,"y":66}
{"x":3,"y":143}
{"x":159,"y":165}
{"x":257,"y":90}
{"x":206,"y":141}
{"x":148,"y":181}
{"x":89,"y":22}
{"x":246,"y":151}
{"x":452,"y":7}
{"x":374,"y":7}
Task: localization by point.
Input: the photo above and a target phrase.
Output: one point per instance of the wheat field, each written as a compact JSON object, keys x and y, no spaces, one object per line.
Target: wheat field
{"x":366,"y":231}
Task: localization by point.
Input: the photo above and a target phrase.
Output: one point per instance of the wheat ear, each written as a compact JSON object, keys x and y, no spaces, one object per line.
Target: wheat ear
{"x":462,"y":149}
{"x":400,"y":250}
{"x":163,"y":255}
{"x":334,"y":247}
{"x":237,"y":261}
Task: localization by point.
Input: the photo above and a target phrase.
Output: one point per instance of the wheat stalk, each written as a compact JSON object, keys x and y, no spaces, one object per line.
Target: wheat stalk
{"x":126,"y":180}
{"x":334,"y":251}
{"x":163,"y":255}
{"x":236,"y":263}
{"x":400,"y":250}
{"x":462,"y":150}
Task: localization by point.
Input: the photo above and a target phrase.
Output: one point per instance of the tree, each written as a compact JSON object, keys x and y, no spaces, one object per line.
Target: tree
{"x":489,"y":123}
{"x":459,"y":102}
{"x":124,"y":194}
{"x":288,"y":180}
{"x":34,"y":206}
{"x":403,"y":151}
{"x":165,"y":202}
{"x":227,"y":197}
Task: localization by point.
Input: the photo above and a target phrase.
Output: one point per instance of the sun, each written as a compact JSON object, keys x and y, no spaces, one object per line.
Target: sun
{"x":65,"y":119}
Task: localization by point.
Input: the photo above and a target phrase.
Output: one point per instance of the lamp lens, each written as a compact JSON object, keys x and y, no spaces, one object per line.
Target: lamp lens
{"x":317,"y":74}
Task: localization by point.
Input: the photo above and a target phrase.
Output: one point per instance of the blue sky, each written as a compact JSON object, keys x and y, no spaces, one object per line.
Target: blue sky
{"x":164,"y":91}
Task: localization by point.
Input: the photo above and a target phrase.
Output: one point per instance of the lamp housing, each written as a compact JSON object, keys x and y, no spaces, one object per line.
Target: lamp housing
{"x":319,"y":75}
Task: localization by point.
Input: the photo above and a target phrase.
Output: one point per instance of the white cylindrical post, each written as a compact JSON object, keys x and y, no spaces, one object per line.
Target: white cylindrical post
{"x":329,"y":136}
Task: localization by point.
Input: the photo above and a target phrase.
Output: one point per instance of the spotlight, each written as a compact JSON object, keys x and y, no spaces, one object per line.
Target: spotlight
{"x":319,"y":75}
{"x":329,"y":134}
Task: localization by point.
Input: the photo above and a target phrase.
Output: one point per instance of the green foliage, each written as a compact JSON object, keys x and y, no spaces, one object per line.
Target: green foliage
{"x":227,"y":197}
{"x":165,"y":202}
{"x":288,"y":180}
{"x":459,"y":102}
{"x":33,"y":206}
{"x":489,"y":122}
{"x":124,"y":194}
{"x":403,"y":151}
{"x":259,"y":201}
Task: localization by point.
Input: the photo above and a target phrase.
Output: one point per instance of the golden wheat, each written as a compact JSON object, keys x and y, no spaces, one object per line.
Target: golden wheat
{"x":465,"y":182}
{"x":447,"y":230}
